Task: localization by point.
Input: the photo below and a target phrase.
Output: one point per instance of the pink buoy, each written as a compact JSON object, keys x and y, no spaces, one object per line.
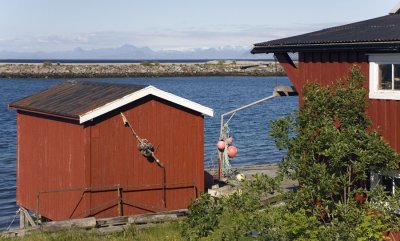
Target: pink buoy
{"x":221,"y":145}
{"x":230,"y":140}
{"x":232,"y":151}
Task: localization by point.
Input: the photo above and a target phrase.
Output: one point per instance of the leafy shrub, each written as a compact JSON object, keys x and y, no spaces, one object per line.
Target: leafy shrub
{"x":146,"y":63}
{"x":330,"y":148}
{"x":47,"y":64}
{"x":203,"y":218}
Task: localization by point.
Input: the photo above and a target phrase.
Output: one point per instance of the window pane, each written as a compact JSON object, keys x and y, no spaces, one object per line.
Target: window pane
{"x":387,"y":183}
{"x":396,"y":76}
{"x":397,"y":182}
{"x":385,"y":76}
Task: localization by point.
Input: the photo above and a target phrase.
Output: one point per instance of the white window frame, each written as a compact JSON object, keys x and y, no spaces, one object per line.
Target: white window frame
{"x":376,"y":178}
{"x":374,"y":61}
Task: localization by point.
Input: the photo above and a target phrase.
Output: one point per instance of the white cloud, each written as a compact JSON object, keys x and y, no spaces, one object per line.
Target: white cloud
{"x":157,"y":39}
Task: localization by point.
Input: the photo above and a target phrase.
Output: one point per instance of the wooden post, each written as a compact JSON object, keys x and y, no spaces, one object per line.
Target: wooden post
{"x":164,"y":188}
{"x":37,"y":208}
{"x":25,"y":219}
{"x":219,"y":169}
{"x":119,"y":201}
{"x":21,"y":219}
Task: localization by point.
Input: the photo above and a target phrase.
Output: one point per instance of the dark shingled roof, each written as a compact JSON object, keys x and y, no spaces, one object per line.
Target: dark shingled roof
{"x":378,"y":34}
{"x":71,"y":99}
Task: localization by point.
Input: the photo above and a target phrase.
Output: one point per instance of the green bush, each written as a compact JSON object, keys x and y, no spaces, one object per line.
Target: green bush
{"x":47,"y":64}
{"x":329,"y":150}
{"x":146,"y":63}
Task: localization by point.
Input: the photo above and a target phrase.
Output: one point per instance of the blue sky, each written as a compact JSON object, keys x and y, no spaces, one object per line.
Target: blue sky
{"x":55,"y":25}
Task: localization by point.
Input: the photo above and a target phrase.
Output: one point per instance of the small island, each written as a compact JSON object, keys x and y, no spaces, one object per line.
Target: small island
{"x":143,"y":69}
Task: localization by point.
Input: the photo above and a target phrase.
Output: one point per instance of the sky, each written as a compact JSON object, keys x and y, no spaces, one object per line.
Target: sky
{"x":60,"y":25}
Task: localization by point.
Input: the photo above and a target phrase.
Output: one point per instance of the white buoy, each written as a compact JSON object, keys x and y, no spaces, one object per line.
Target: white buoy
{"x":240,"y":177}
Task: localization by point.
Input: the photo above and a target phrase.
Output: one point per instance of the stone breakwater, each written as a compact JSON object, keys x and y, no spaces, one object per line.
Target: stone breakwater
{"x":144,"y":69}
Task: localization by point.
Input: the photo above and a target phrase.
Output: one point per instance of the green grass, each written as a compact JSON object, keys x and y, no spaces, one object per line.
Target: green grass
{"x":161,"y":232}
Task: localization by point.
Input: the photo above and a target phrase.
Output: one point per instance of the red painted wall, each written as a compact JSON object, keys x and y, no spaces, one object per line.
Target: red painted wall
{"x":178,"y":138}
{"x":326,"y":67}
{"x":56,"y":154}
{"x":50,"y":157}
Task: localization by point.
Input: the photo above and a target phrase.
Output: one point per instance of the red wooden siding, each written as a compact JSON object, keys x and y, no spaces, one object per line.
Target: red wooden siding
{"x":59,"y":154}
{"x":50,"y":157}
{"x":326,"y":67}
{"x":178,"y":138}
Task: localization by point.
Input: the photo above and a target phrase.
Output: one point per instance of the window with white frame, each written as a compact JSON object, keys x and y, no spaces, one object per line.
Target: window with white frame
{"x":384,"y":76}
{"x":390,"y":180}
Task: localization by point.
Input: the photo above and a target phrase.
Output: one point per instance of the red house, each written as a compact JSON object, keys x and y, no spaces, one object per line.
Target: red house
{"x":326,"y":55}
{"x":76,"y":158}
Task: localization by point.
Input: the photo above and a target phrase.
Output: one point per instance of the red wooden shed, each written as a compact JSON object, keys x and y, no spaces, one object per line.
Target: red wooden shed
{"x":76,"y":158}
{"x":327,"y":55}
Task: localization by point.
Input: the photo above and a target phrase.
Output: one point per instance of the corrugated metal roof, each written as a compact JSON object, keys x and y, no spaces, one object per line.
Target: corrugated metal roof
{"x":72,"y":99}
{"x":381,"y":33}
{"x":85,"y":101}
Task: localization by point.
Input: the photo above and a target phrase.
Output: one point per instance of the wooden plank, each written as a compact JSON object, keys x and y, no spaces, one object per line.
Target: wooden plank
{"x":18,"y":232}
{"x":110,"y":229}
{"x":113,"y":221}
{"x":55,"y":226}
{"x":156,"y":218}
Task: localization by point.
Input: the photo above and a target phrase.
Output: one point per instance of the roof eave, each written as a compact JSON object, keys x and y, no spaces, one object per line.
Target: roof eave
{"x":35,"y":111}
{"x":150,"y":90}
{"x":364,"y":46}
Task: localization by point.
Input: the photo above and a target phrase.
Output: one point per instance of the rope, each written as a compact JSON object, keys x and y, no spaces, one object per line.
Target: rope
{"x":144,"y":146}
{"x":16,"y":214}
{"x":147,"y":150}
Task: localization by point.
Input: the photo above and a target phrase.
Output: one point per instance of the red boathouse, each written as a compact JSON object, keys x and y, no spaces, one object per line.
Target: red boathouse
{"x":327,"y":55}
{"x":76,"y":158}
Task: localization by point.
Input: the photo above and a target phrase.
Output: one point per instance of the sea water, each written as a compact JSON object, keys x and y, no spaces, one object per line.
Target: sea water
{"x":249,"y":127}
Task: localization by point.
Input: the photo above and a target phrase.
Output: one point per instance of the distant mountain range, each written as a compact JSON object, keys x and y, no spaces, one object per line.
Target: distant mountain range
{"x":132,"y":52}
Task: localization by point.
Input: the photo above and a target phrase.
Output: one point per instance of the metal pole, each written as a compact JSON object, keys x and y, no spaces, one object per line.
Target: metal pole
{"x":247,"y":106}
{"x":232,"y":113}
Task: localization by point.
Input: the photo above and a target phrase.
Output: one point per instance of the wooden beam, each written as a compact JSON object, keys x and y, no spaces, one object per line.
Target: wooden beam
{"x":55,"y":226}
{"x":290,"y":68}
{"x":25,"y":218}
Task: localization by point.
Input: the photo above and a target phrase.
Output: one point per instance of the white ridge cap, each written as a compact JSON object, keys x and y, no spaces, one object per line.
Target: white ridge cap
{"x":149,"y":90}
{"x":396,"y":9}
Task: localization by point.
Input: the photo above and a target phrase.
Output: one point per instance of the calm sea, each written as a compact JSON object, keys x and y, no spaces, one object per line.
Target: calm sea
{"x":249,"y":127}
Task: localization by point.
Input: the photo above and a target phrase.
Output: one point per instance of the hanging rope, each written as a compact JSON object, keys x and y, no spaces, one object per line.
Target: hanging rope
{"x":144,"y":146}
{"x":147,"y":150}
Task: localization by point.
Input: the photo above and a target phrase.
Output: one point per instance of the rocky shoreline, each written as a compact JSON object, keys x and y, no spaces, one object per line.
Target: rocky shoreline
{"x":144,"y":69}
